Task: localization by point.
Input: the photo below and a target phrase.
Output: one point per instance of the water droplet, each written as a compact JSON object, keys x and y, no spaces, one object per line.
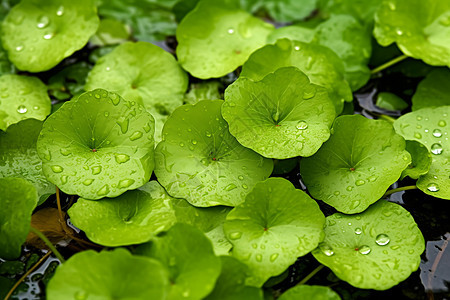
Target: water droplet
{"x":96,"y":170}
{"x":254,"y":245}
{"x":309,"y":62}
{"x":301,"y":125}
{"x":349,"y":188}
{"x":64,"y":179}
{"x":244,"y":186}
{"x":194,"y":142}
{"x":258,"y":257}
{"x":136,"y":135}
{"x":104,"y":190}
{"x":121,"y":158}
{"x":147,"y":127}
{"x":358,"y":231}
{"x":230,"y":187}
{"x":364,"y":249}
{"x":81,"y":295}
{"x":382,"y":239}
{"x":360,"y":182}
{"x":433,"y":187}
{"x":355,"y":204}
{"x":417,"y":135}
{"x":308,"y":95}
{"x":399,"y":31}
{"x":436,"y":149}
{"x":43,"y":22}
{"x":114,"y":98}
{"x":230,"y":31}
{"x":60,"y":11}
{"x":437,"y":133}
{"x":185,"y":294}
{"x":48,"y":36}
{"x":326,"y":249}
{"x":297,"y":48}
{"x":21,"y":109}
{"x":123,"y":125}
{"x":336,"y":193}
{"x":125,"y":183}
{"x":235,"y":235}
{"x":273,"y":257}
{"x":392,"y":6}
{"x":88,"y":182}
{"x":35,"y":107}
{"x":241,"y":177}
{"x":372,"y":178}
{"x":181,"y":144}
{"x":442,"y":123}
{"x":19,"y":48}
{"x":57,"y":169}
{"x":395,"y":247}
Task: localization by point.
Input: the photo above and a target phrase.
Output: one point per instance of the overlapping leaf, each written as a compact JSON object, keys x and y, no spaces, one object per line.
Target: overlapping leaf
{"x":433,"y":91}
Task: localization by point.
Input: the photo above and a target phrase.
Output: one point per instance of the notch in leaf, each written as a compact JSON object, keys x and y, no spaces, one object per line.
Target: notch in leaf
{"x":98,"y":145}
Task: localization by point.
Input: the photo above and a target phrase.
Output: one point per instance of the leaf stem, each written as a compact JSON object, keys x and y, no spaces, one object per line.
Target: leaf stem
{"x":388,"y":64}
{"x":310,"y":275}
{"x":387,"y":118}
{"x":11,"y":291}
{"x":58,"y":203}
{"x":48,"y":243}
{"x":403,"y":188}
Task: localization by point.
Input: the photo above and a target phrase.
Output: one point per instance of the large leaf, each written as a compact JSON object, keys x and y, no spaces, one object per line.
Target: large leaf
{"x":189,"y":257}
{"x":321,"y":65}
{"x":434,"y":90}
{"x":421,"y":28}
{"x":356,"y":166}
{"x":345,"y":36}
{"x":97,"y":145}
{"x":430,"y":126}
{"x":310,"y":292}
{"x":276,"y":224}
{"x":38,"y":35}
{"x":281,"y":116}
{"x":375,"y":249}
{"x":144,"y":73}
{"x":22,"y":97}
{"x":208,"y":51}
{"x":132,"y":218}
{"x":18,"y":198}
{"x":109,"y":275}
{"x":200,"y":161}
{"x":19,"y":158}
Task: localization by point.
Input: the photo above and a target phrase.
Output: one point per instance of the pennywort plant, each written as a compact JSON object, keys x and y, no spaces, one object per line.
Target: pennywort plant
{"x":169,"y":131}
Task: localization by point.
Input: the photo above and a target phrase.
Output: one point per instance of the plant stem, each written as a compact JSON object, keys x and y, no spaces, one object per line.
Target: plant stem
{"x":310,"y":275}
{"x":403,"y":188}
{"x":388,"y":64}
{"x":48,"y":243}
{"x":58,"y":203}
{"x":387,"y":118}
{"x":11,"y":291}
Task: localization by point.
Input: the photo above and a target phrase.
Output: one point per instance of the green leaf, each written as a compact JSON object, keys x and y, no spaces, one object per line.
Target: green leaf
{"x":38,"y":35}
{"x":144,"y":73}
{"x":208,"y":90}
{"x":19,"y":158}
{"x":375,"y":249}
{"x":362,"y":10}
{"x":97,"y":145}
{"x":273,"y":227}
{"x":6,"y":67}
{"x":421,"y":160}
{"x":108,"y":275}
{"x":310,"y":292}
{"x":322,"y":66}
{"x":281,"y":116}
{"x":69,"y":82}
{"x":132,"y":218}
{"x":110,"y":32}
{"x":189,"y":257}
{"x":390,"y":101}
{"x":356,"y":166}
{"x":430,"y":126}
{"x":284,"y":166}
{"x":22,"y":97}
{"x":231,"y":282}
{"x":18,"y":198}
{"x":208,"y":51}
{"x":345,"y":36}
{"x":434,"y":90}
{"x":200,"y":161}
{"x":285,"y":10}
{"x":421,"y":28}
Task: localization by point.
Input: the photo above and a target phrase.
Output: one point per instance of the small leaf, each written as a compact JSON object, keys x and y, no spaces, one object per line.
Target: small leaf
{"x":390,"y":101}
{"x":363,"y":10}
{"x":281,"y":116}
{"x":208,"y":90}
{"x":421,"y":160}
{"x":284,"y":10}
{"x":97,"y":145}
{"x":356,"y":166}
{"x":273,"y":227}
{"x":433,"y":91}
{"x":109,"y":275}
{"x":200,"y":161}
{"x":189,"y":257}
{"x":18,"y":198}
{"x":110,"y":32}
{"x":208,"y":51}
{"x":38,"y":35}
{"x":310,"y":292}
{"x":375,"y":249}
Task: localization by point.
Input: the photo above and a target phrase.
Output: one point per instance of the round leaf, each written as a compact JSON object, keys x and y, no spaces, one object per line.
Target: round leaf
{"x":356,"y":166}
{"x":19,"y":158}
{"x":208,"y":51}
{"x":22,"y":97}
{"x":421,"y":160}
{"x":97,"y":145}
{"x":434,"y":90}
{"x":200,"y":161}
{"x":18,"y":198}
{"x":421,"y":28}
{"x":132,"y":218}
{"x":231,"y":282}
{"x":144,"y":73}
{"x":375,"y":249}
{"x":108,"y":275}
{"x":310,"y":292}
{"x":430,"y":126}
{"x":189,"y":257}
{"x":281,"y":116}
{"x":273,"y":227}
{"x":322,"y":66}
{"x":38,"y":35}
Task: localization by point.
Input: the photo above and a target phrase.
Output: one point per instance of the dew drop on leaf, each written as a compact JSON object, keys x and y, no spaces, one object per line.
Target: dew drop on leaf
{"x":57,"y":169}
{"x":43,"y":22}
{"x":301,"y":125}
{"x":436,"y":148}
{"x":364,"y":249}
{"x":326,"y":249}
{"x":125,"y":183}
{"x":273,"y":257}
{"x":235,"y":235}
{"x":88,"y":182}
{"x":258,"y":257}
{"x":19,"y":48}
{"x":433,"y":187}
{"x":309,"y":94}
{"x":21,"y":109}
{"x":437,"y":133}
{"x":121,"y":158}
{"x":96,"y":170}
{"x":64,"y":179}
{"x":48,"y":36}
{"x":60,"y":11}
{"x":442,"y":123}
{"x":382,"y":239}
{"x":103,"y":190}
{"x":358,"y":231}
{"x":230,"y":187}
{"x":360,"y":182}
{"x":417,"y":135}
